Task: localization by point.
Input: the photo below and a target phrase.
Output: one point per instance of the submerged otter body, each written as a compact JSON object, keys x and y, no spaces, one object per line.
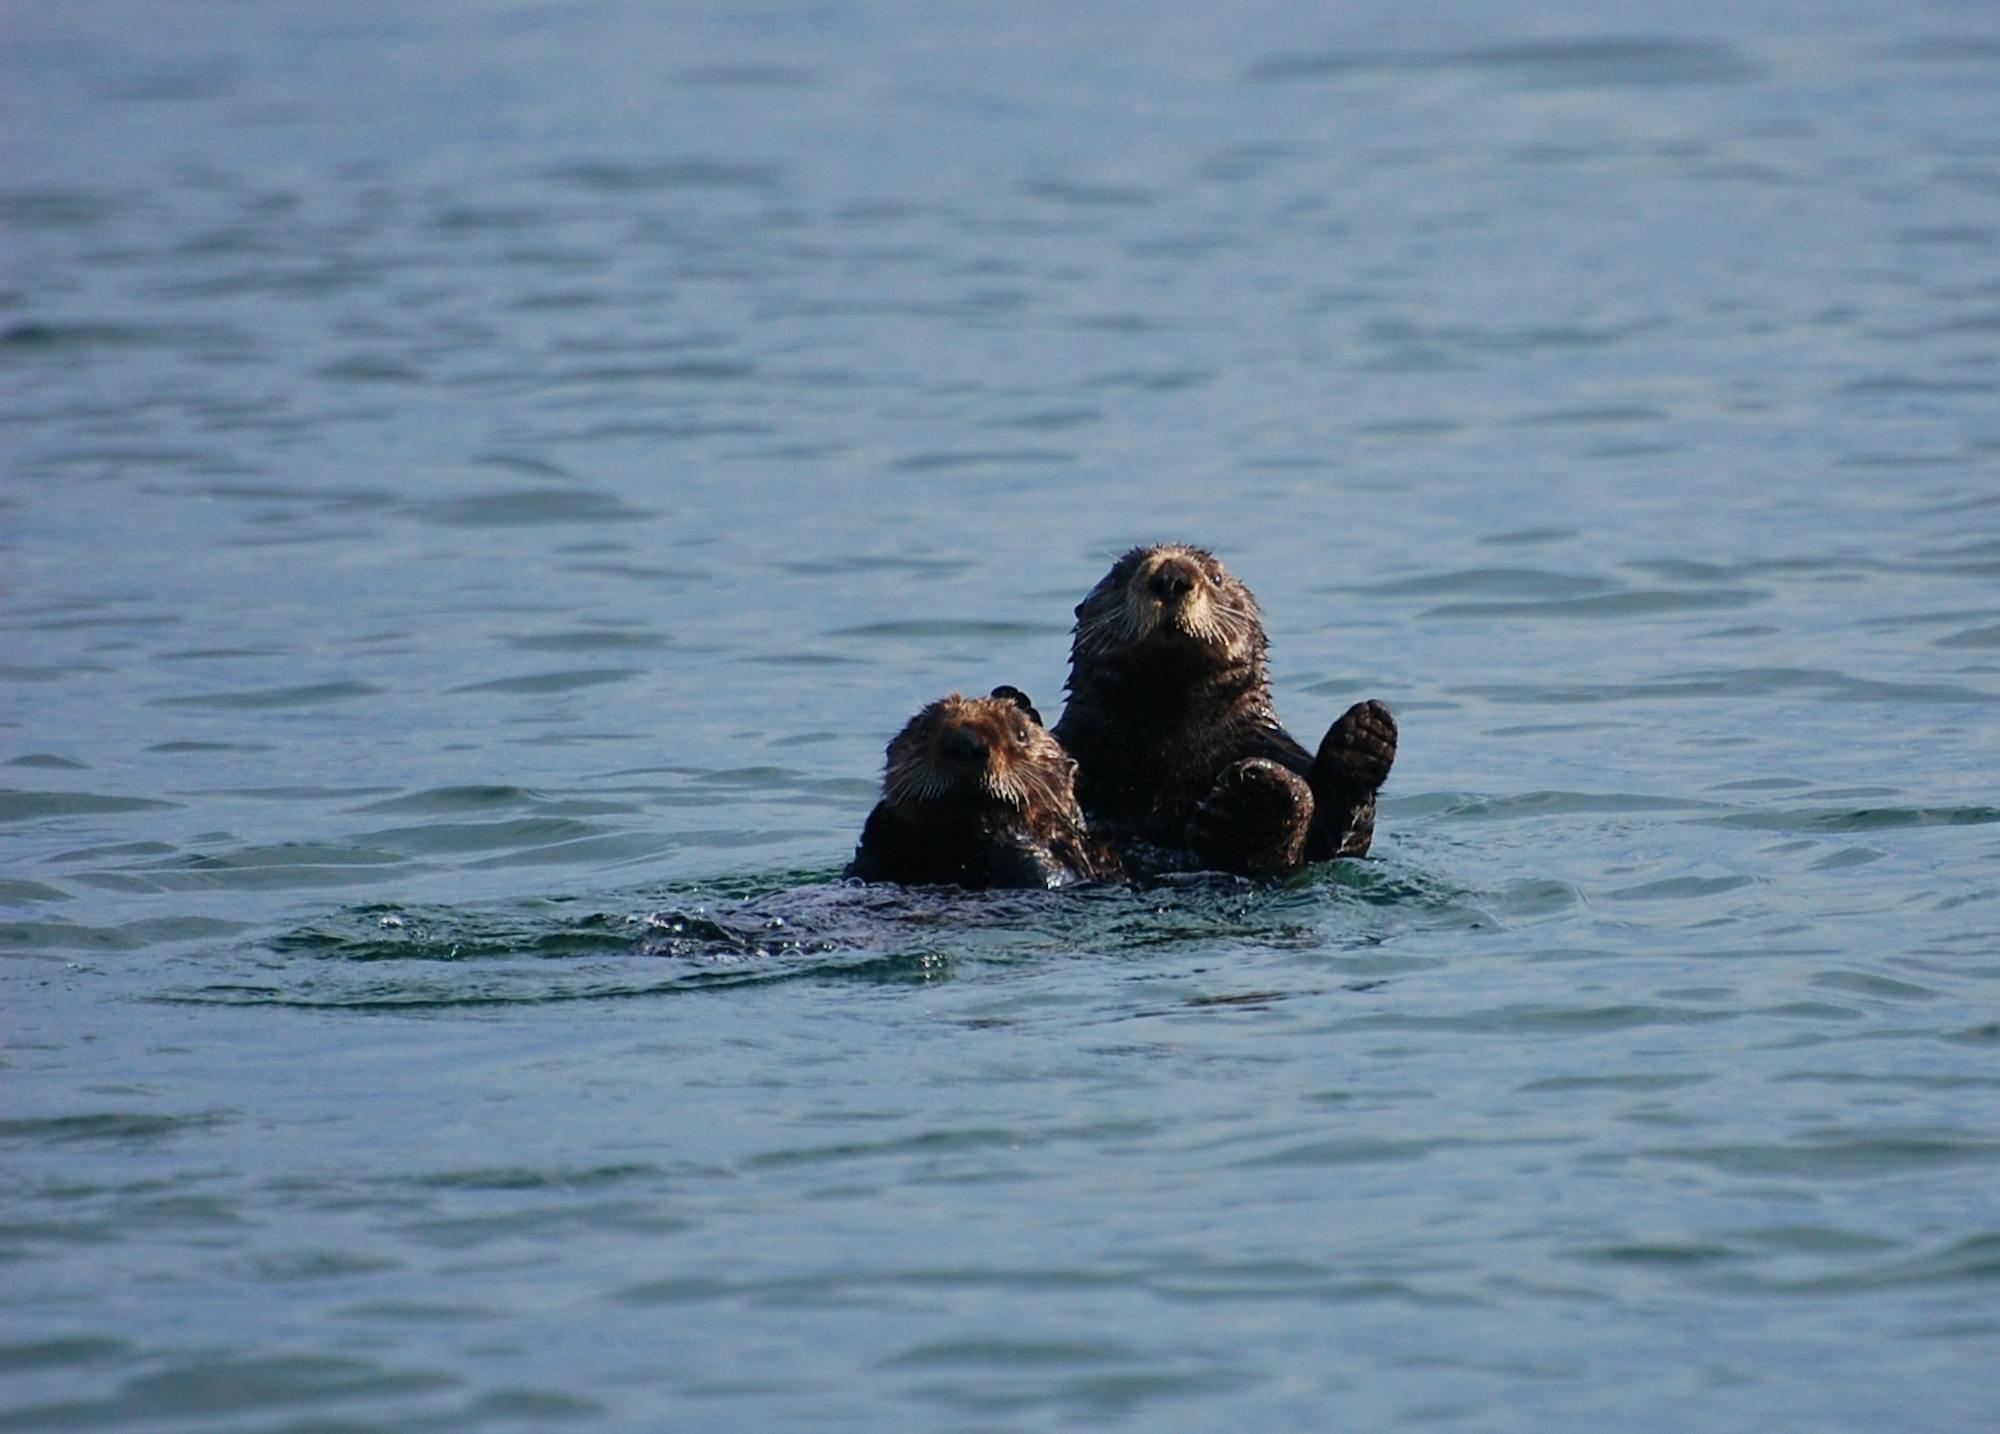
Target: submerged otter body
{"x":977,"y":793}
{"x":1178,"y":748}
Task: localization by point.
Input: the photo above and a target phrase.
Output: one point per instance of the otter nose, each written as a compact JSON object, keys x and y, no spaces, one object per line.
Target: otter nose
{"x":964,"y":747}
{"x":1170,"y":581}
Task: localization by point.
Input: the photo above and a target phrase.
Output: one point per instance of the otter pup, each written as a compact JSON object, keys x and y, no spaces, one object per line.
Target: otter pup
{"x":1170,"y":721}
{"x":978,"y":794}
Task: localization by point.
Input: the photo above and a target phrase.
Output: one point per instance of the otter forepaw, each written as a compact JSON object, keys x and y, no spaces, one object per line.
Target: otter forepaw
{"x":1020,"y":699}
{"x":1357,"y":751}
{"x":1254,"y":820}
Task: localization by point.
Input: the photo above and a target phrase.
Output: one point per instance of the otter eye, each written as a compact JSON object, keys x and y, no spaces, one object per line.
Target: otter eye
{"x":1021,"y":732}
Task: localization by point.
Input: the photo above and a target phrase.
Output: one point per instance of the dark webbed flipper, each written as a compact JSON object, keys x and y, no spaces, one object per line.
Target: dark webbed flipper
{"x":1254,"y":820}
{"x":1353,"y":762}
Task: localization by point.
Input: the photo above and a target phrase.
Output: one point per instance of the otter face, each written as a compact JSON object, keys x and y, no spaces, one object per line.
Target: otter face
{"x":970,"y":749}
{"x":1171,"y":599}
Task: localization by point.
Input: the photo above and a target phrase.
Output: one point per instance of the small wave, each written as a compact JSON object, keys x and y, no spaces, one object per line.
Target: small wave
{"x":799,"y":926}
{"x":200,"y":1390}
{"x":1974,"y":1260}
{"x":1680,"y":888}
{"x":311,"y":694}
{"x":946,"y":460}
{"x":265,"y":868}
{"x":29,"y":1356}
{"x":689,"y":174}
{"x":31,"y":806}
{"x":587,"y":640}
{"x":1979,"y":638}
{"x":1637,"y":602}
{"x":107,"y":1127}
{"x":1538,"y":583}
{"x":448,"y":801}
{"x":1752,"y":682}
{"x":527,"y":507}
{"x":547,"y":684}
{"x":1858,"y":1158}
{"x":29,"y":210}
{"x":49,"y":936}
{"x":1466,"y":806}
{"x":1547,"y":1020}
{"x":528,"y":1177}
{"x":56,"y":337}
{"x":948,"y":628}
{"x":1854,"y":819}
{"x":752,"y":75}
{"x":508,"y":835}
{"x":1607,"y":62}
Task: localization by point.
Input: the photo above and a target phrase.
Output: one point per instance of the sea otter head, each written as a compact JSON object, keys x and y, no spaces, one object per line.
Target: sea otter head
{"x":1171,"y":605}
{"x":973,"y":750}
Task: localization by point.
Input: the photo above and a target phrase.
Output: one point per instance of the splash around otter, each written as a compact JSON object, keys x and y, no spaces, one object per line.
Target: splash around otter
{"x":977,"y":793}
{"x":1179,"y":751}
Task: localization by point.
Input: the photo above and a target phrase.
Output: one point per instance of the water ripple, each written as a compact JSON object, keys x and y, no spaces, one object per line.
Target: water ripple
{"x":1826,"y":685}
{"x":1619,"y":605}
{"x":1973,"y":1260}
{"x":487,"y":478}
{"x":527,"y":507}
{"x":109,"y":1127}
{"x":1612,"y":62}
{"x":311,"y":694}
{"x":1847,"y":819}
{"x":674,"y":176}
{"x":551,"y":683}
{"x":1882,"y":1157}
{"x":208,"y":1387}
{"x":31,"y":806}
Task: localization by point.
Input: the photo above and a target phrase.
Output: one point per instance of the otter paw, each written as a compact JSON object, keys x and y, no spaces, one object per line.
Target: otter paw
{"x":1254,"y":820}
{"x":1358,"y":750}
{"x":1020,"y":699}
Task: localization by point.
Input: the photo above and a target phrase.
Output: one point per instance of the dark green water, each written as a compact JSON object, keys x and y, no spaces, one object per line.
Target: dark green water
{"x":482,"y":482}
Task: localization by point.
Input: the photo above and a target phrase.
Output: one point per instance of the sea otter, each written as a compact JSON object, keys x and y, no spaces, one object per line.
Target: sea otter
{"x":1179,"y":753}
{"x":978,"y":794}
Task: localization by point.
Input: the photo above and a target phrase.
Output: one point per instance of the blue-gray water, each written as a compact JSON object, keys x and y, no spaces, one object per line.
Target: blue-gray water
{"x":482,"y":475}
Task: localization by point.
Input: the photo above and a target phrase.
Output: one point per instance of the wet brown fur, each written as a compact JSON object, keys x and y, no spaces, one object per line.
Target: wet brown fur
{"x":977,"y":793}
{"x":1171,"y":721}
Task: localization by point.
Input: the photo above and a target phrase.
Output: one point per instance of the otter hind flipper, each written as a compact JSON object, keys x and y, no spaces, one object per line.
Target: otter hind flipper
{"x":1352,"y":764}
{"x":1254,"y":820}
{"x":1358,"y":749}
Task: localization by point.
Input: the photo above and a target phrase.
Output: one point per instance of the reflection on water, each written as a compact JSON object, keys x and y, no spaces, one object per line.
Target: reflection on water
{"x":482,"y":484}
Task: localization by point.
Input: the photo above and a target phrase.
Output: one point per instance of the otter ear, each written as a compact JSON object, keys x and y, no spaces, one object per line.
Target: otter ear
{"x":1110,"y":584}
{"x":1020,"y":699}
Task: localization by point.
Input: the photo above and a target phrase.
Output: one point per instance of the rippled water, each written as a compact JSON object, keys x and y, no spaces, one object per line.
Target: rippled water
{"x":483,"y":480}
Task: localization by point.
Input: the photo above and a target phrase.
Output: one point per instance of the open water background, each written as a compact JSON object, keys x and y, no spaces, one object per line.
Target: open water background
{"x":482,"y":475}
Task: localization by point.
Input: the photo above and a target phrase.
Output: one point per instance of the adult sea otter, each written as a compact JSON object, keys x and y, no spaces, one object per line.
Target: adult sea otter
{"x":1181,"y":759}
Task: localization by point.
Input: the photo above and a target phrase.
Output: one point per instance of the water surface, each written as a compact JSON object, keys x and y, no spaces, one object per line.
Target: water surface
{"x":483,"y":481}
